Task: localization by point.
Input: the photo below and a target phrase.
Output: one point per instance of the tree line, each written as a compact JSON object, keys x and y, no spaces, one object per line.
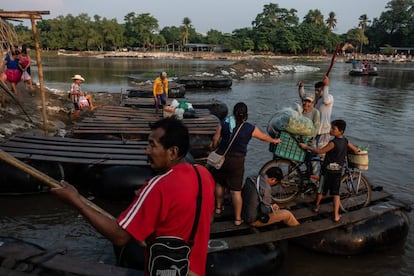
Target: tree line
{"x":275,"y":29}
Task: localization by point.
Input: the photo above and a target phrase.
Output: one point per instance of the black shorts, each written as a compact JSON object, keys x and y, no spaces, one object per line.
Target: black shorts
{"x":331,"y":182}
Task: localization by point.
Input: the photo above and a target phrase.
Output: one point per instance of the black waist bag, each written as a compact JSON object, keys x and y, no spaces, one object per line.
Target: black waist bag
{"x":169,"y":256}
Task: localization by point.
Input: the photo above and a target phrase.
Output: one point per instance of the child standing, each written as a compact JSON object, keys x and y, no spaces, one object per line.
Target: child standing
{"x":331,"y":170}
{"x":24,"y":65}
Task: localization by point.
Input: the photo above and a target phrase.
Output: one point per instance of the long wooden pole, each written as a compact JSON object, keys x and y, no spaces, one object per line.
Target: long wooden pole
{"x":45,"y":178}
{"x":40,"y":72}
{"x":333,"y":59}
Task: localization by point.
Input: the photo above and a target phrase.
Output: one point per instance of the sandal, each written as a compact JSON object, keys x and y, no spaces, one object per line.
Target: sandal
{"x":238,"y":222}
{"x":316,"y":209}
{"x":338,"y":220}
{"x":219,"y":210}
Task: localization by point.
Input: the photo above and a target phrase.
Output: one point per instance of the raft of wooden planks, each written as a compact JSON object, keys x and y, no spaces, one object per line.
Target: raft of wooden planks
{"x":226,"y":236}
{"x":79,"y":151}
{"x":134,"y":123}
{"x":141,"y":102}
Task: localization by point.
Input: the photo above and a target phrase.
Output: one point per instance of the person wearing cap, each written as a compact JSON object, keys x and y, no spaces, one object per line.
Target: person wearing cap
{"x":308,"y":109}
{"x":76,"y":95}
{"x":160,"y":90}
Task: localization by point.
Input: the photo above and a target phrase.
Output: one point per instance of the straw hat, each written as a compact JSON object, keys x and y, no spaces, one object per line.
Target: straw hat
{"x":78,"y":77}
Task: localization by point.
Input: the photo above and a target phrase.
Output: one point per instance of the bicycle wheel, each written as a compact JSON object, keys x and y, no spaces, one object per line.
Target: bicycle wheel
{"x":355,"y":191}
{"x":288,"y":188}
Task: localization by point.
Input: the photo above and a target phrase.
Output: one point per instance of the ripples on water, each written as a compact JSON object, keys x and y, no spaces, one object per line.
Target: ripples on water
{"x":378,"y":110}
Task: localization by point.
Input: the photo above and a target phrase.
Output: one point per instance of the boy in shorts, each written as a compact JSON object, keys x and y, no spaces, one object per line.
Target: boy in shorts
{"x":331,"y":170}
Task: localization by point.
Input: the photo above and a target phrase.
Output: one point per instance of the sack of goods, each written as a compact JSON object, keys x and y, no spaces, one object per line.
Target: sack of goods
{"x":168,"y":111}
{"x":215,"y":160}
{"x":290,"y":120}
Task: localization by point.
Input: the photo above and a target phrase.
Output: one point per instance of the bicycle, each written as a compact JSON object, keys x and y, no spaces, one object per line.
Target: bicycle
{"x":355,"y":189}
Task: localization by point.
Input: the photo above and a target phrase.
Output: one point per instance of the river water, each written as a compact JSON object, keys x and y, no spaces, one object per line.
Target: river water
{"x":378,"y":110}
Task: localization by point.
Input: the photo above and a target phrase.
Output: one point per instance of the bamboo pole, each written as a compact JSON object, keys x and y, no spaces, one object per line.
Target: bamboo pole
{"x":40,"y":72}
{"x":6,"y":157}
{"x":333,"y":59}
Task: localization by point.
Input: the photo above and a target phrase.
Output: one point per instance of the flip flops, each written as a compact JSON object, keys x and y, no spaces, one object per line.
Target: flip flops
{"x":238,"y":222}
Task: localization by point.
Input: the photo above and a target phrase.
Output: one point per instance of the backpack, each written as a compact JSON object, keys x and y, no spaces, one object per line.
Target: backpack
{"x":253,"y":207}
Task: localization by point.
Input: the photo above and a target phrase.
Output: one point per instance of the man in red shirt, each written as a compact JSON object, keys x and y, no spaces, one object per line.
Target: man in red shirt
{"x":166,"y":204}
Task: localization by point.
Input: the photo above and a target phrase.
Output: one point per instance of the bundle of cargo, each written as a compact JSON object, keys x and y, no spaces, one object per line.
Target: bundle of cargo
{"x":291,"y":121}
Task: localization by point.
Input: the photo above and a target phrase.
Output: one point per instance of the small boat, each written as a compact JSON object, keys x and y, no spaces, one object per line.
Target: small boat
{"x":361,"y":72}
{"x":206,"y":82}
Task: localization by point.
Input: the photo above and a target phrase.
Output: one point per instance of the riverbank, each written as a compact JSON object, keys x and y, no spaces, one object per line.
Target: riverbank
{"x":24,"y":113}
{"x":185,"y":55}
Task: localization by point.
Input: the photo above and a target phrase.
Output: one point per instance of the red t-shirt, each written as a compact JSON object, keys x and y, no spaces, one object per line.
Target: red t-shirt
{"x":166,"y":205}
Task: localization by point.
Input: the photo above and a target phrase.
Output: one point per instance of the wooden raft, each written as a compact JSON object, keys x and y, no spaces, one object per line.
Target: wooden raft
{"x":149,"y":103}
{"x":226,"y":236}
{"x":135,"y":122}
{"x":80,"y":151}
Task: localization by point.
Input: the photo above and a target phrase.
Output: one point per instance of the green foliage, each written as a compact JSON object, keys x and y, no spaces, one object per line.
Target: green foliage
{"x":274,"y":29}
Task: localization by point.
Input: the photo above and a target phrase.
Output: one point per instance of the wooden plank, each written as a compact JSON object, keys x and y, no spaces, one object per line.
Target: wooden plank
{"x":77,"y":160}
{"x":70,"y":150}
{"x":36,"y":148}
{"x":129,"y":131}
{"x":68,"y":140}
{"x":300,"y":214}
{"x":148,"y":102}
{"x":79,"y":154}
{"x":303,"y":229}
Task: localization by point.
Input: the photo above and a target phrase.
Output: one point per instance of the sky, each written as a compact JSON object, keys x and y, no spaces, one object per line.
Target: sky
{"x":221,"y":15}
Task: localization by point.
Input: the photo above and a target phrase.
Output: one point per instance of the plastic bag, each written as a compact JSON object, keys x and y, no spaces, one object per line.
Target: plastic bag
{"x":83,"y":102}
{"x":291,"y":121}
{"x":25,"y":76}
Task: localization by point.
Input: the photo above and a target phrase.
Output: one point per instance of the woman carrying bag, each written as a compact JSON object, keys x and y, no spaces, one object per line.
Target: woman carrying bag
{"x":231,"y":174}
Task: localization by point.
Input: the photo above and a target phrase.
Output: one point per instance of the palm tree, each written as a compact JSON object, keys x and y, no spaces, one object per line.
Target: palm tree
{"x":331,"y":21}
{"x":363,"y":23}
{"x":186,"y":29}
{"x":314,"y":17}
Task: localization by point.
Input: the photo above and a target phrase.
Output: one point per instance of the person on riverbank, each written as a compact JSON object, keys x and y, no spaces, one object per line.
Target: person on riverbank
{"x":332,"y":165}
{"x":231,"y":174}
{"x":160,"y":90}
{"x":78,"y":97}
{"x":12,"y":69}
{"x":24,"y":65}
{"x":259,"y":209}
{"x":166,"y":204}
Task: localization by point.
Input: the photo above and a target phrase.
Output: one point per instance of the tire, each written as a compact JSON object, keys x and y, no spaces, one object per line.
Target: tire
{"x":354,"y":195}
{"x":289,"y":187}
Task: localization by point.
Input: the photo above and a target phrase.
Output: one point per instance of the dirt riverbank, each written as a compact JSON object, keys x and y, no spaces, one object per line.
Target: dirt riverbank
{"x":25,"y":114}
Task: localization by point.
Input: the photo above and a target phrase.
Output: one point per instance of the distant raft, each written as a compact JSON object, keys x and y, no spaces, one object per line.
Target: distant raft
{"x":206,"y":82}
